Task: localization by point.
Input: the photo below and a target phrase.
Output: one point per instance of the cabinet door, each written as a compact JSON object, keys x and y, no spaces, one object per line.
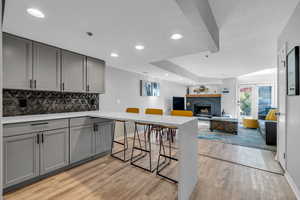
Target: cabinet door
{"x":95,"y":75}
{"x":20,"y":158}
{"x":81,"y":143}
{"x":54,"y":150}
{"x":73,"y":72}
{"x":103,"y":137}
{"x":46,"y":67}
{"x":17,"y":63}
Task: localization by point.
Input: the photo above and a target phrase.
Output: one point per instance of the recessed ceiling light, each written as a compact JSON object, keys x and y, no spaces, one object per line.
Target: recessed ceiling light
{"x":139,"y":47}
{"x":176,"y":36}
{"x":167,"y":74}
{"x":35,"y":12}
{"x":114,"y":55}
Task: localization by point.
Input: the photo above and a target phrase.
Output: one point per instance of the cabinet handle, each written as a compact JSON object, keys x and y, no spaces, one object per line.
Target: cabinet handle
{"x":95,"y":127}
{"x":88,"y":88}
{"x":30,"y":83}
{"x":35,"y":84}
{"x":63,"y":86}
{"x":43,"y":138}
{"x":38,"y":139}
{"x":43,"y":123}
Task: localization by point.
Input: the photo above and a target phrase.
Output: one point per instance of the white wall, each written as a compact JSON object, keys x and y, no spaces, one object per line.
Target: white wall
{"x":122,"y":90}
{"x":229,"y":100}
{"x":291,"y":35}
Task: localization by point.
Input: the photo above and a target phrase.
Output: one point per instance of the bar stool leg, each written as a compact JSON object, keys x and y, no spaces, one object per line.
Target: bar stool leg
{"x":136,"y":134}
{"x":169,"y":157}
{"x":146,"y":149}
{"x":124,"y":143}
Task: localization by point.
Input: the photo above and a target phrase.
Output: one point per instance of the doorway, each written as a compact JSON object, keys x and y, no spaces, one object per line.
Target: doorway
{"x":255,"y":100}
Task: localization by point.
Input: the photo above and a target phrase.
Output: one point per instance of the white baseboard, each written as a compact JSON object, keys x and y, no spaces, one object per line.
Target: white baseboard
{"x":292,"y":184}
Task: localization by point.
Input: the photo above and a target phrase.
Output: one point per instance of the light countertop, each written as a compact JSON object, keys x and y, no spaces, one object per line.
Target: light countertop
{"x":155,"y":119}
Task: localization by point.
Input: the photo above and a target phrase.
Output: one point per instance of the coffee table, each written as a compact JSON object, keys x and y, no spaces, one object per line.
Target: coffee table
{"x":226,"y":124}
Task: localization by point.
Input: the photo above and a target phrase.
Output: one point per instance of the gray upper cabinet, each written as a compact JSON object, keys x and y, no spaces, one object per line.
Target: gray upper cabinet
{"x":46,"y":67}
{"x":73,"y":72}
{"x":37,"y":66}
{"x":20,"y":158}
{"x":81,"y":143}
{"x":95,"y":75}
{"x":17,"y":63}
{"x":54,"y":150}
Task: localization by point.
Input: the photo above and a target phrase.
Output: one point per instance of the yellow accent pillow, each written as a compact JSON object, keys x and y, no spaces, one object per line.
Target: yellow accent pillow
{"x":271,"y":115}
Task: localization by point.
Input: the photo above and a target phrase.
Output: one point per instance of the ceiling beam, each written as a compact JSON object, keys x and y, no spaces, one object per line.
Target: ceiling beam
{"x":199,"y":13}
{"x":176,"y":69}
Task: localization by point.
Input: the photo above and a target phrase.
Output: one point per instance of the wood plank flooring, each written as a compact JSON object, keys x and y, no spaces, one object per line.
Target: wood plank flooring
{"x":256,"y":158}
{"x":109,"y":179}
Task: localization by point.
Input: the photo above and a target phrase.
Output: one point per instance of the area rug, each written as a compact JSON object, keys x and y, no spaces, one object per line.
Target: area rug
{"x":245,"y":137}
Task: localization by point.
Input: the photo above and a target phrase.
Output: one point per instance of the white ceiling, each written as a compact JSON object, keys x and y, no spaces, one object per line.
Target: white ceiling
{"x":248,"y":33}
{"x":248,"y":36}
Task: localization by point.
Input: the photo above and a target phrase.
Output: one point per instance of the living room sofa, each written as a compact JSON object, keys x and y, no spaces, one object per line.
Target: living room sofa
{"x":268,"y":128}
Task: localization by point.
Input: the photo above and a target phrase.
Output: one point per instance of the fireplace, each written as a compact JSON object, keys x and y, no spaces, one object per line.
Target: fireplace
{"x":204,"y":106}
{"x":202,"y":110}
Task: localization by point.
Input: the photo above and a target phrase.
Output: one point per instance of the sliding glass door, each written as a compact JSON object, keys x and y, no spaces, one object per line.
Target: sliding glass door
{"x":264,"y":100}
{"x":246,"y":101}
{"x":255,"y":100}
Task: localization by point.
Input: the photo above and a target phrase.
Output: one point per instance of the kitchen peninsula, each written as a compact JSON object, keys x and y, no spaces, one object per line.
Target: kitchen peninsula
{"x":187,"y":131}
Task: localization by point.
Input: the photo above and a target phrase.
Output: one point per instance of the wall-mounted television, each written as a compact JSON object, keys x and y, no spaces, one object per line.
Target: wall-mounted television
{"x":148,"y":88}
{"x":178,"y":103}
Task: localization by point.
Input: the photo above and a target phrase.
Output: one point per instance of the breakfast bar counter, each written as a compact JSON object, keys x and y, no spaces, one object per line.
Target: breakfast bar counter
{"x":187,"y":134}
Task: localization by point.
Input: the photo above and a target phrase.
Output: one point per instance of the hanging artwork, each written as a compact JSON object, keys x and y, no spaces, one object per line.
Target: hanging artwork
{"x":148,"y":88}
{"x":292,"y":71}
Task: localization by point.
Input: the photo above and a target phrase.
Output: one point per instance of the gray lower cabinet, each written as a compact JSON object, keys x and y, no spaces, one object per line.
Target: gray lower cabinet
{"x":73,"y":72}
{"x":54,"y":149}
{"x":20,"y":158}
{"x":34,"y":149}
{"x":81,"y":143}
{"x":95,"y":75}
{"x":17,"y":63}
{"x":46,"y":67}
{"x":103,"y":137}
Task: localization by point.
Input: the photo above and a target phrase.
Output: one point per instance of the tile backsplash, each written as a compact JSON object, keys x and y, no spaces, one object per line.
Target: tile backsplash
{"x":27,"y":102}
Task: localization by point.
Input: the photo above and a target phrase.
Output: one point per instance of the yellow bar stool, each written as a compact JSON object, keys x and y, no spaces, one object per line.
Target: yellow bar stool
{"x":148,"y":129}
{"x":125,"y":138}
{"x":171,"y":132}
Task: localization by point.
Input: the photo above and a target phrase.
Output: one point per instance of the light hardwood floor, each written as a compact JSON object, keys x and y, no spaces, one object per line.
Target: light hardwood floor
{"x":109,"y":179}
{"x":256,"y":158}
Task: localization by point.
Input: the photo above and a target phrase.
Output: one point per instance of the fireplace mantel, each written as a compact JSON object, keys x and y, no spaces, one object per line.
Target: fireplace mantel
{"x":203,"y":95}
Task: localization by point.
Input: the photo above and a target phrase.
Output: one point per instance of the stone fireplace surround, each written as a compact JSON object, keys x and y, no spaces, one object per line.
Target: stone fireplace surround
{"x":213,"y":102}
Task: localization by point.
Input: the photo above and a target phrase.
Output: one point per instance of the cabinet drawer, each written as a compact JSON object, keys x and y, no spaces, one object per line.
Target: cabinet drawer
{"x":84,"y":121}
{"x":29,"y":127}
{"x":80,"y":121}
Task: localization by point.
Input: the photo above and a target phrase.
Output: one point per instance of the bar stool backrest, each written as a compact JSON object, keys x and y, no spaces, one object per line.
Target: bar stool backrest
{"x":184,"y":113}
{"x":133,"y":110}
{"x":154,"y":111}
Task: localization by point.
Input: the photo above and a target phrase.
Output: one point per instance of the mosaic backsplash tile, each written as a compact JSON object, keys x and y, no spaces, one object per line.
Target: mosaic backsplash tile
{"x":27,"y":102}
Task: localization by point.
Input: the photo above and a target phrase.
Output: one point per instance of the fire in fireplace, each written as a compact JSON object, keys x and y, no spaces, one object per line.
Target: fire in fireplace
{"x":202,"y":110}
